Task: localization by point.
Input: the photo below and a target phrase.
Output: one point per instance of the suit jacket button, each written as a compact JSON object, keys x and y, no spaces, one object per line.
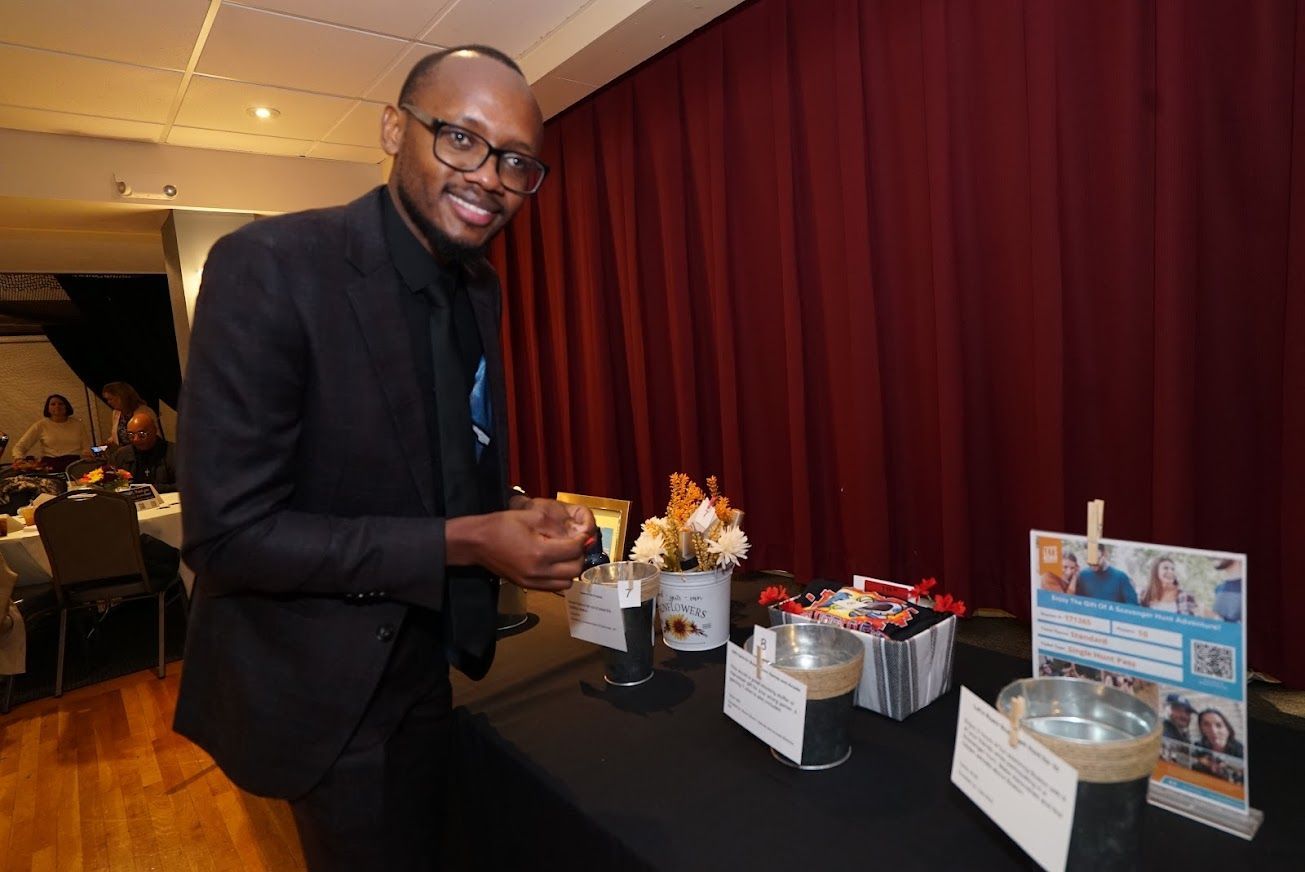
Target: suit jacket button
{"x":385,"y":632}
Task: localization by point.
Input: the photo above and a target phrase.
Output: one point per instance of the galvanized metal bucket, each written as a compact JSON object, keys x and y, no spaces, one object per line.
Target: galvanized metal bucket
{"x":512,"y":611}
{"x":634,"y":665}
{"x":827,"y":659}
{"x":1112,"y":739}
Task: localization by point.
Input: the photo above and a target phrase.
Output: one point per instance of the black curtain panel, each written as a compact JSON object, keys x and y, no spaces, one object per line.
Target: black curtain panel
{"x":124,"y":334}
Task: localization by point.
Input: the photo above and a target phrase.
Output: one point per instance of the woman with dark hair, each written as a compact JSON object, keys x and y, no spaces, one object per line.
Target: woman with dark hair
{"x":1164,"y":592}
{"x":57,"y":438}
{"x":125,"y":402}
{"x":1217,"y":734}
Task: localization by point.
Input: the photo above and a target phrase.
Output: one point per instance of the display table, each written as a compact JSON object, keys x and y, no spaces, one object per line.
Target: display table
{"x":559,"y":770}
{"x":25,"y":553}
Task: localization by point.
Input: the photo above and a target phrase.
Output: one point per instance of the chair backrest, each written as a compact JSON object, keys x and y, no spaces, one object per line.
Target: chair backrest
{"x":90,"y":535}
{"x":78,"y":468}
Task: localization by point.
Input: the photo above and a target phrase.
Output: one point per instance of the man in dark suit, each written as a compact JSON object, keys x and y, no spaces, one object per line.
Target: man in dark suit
{"x":150,"y":458}
{"x":343,"y":455}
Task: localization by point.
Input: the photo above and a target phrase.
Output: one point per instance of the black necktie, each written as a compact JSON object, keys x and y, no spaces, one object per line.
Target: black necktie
{"x":457,"y":456}
{"x":469,"y":595}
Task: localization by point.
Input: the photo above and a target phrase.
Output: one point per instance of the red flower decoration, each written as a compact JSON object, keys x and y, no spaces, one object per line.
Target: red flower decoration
{"x":947,"y":603}
{"x":771,"y":595}
{"x":922,"y":589}
{"x":791,"y":607}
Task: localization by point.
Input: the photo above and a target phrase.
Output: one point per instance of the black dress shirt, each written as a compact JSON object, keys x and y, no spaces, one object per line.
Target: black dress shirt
{"x":425,"y":281}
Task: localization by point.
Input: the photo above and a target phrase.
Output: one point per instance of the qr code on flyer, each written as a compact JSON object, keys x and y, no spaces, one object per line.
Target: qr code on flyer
{"x":1213,"y":661}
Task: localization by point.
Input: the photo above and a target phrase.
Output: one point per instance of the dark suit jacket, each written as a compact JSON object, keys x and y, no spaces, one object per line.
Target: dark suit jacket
{"x":163,"y":475}
{"x":309,"y":517}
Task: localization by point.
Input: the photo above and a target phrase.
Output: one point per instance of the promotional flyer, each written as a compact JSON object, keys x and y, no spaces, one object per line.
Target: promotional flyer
{"x":1165,"y":624}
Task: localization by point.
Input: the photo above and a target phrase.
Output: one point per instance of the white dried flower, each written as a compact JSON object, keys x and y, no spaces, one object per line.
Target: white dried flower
{"x":730,"y":547}
{"x":649,"y":548}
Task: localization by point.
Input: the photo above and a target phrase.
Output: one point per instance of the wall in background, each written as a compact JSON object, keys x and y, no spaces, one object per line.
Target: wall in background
{"x":31,"y":370}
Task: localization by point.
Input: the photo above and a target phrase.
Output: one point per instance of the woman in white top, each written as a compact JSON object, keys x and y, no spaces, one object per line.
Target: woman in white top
{"x":57,"y":437}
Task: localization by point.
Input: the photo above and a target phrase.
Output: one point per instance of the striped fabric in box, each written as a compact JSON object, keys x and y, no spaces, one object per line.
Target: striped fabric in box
{"x":899,"y":678}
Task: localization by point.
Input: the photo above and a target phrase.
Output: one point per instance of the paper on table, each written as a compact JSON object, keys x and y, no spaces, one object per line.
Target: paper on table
{"x":594,"y":613}
{"x":1027,"y":790}
{"x":772,"y":708}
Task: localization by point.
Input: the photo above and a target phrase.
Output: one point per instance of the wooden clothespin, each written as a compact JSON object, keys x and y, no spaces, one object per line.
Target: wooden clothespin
{"x":1018,"y":706}
{"x":1096,"y":518}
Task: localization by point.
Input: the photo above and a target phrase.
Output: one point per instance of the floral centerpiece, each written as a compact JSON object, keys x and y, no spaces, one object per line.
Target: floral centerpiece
{"x":105,"y":478}
{"x":696,"y":544}
{"x":689,"y":537}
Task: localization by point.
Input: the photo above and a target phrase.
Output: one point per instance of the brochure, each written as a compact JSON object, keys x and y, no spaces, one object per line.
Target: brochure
{"x":1165,"y":624}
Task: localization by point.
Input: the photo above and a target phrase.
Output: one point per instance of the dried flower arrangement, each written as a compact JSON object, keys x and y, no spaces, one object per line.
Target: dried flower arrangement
{"x":699,"y":532}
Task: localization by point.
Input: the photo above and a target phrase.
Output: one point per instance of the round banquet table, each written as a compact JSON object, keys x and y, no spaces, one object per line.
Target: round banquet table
{"x":25,"y":554}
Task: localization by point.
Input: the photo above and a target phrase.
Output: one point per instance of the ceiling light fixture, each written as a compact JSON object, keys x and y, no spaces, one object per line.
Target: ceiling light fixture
{"x":263,"y":113}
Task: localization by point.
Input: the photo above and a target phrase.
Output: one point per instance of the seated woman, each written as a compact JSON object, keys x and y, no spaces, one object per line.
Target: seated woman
{"x":56,"y":439}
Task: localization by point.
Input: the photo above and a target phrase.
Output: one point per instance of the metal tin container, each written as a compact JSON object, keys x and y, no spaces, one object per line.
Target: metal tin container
{"x":1112,"y":739}
{"x":633,"y":665}
{"x":827,"y":659}
{"x":512,"y":611}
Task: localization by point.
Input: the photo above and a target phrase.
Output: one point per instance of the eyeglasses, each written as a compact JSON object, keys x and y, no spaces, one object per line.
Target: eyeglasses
{"x":139,"y":434}
{"x":466,"y":152}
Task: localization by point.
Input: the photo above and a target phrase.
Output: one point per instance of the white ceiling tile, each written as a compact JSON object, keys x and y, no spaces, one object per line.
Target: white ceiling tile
{"x":387,"y":88}
{"x":354,"y":153}
{"x":362,"y":126}
{"x":256,"y":46}
{"x":406,"y":18}
{"x":44,"y":121}
{"x":555,"y":93}
{"x":512,"y":26}
{"x":148,"y":33}
{"x":66,"y":83}
{"x":225,"y":140}
{"x":217,"y":104}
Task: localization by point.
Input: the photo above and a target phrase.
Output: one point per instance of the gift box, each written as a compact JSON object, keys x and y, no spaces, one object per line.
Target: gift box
{"x":899,"y":676}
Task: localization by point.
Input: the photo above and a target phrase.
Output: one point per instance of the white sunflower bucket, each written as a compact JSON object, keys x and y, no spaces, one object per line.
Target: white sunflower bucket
{"x":693,"y":609}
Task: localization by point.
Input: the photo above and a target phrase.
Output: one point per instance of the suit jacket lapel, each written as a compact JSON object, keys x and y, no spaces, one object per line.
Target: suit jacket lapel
{"x":373,"y":294}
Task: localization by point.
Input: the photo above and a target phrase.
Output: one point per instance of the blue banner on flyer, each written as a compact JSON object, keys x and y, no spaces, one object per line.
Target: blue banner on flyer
{"x":1165,"y":624}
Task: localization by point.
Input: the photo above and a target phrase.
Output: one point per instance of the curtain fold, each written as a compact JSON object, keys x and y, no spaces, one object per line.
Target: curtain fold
{"x":124,"y":333}
{"x":916,"y":276}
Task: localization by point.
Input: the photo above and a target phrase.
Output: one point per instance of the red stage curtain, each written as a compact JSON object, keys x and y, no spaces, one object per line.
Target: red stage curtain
{"x":915,"y":277}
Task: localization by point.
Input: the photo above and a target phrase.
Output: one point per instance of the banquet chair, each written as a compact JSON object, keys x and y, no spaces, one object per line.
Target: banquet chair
{"x":78,"y":468}
{"x":92,"y":539}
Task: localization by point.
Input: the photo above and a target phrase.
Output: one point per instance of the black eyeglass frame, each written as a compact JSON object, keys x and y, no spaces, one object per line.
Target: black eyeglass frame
{"x":435,"y":125}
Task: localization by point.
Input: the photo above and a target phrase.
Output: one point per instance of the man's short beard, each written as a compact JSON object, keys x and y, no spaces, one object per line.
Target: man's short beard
{"x":446,"y":248}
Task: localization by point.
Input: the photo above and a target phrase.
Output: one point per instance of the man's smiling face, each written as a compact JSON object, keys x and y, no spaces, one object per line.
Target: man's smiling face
{"x":457,"y":213}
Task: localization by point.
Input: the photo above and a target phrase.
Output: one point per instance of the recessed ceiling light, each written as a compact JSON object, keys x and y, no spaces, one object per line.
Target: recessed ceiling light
{"x":263,"y":113}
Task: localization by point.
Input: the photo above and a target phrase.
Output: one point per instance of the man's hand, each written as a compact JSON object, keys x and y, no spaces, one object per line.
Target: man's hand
{"x":539,"y":546}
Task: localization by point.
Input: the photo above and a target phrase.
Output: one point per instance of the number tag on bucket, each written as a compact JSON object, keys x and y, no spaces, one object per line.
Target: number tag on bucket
{"x":630,"y":593}
{"x":763,"y":643}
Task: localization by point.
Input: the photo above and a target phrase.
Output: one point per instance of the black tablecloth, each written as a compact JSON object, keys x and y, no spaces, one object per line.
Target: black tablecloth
{"x":559,"y":770}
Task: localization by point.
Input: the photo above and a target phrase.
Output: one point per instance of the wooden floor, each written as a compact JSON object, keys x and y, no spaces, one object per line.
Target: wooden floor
{"x":98,"y":780}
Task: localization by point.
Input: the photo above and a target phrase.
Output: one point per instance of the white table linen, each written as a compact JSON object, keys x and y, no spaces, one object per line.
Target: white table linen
{"x":25,"y":554}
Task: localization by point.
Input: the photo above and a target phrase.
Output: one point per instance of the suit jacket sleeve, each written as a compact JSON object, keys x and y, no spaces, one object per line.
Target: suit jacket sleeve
{"x":242,"y":417}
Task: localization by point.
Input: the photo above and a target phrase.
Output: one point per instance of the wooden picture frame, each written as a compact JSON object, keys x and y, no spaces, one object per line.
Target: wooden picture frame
{"x":612,"y":516}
